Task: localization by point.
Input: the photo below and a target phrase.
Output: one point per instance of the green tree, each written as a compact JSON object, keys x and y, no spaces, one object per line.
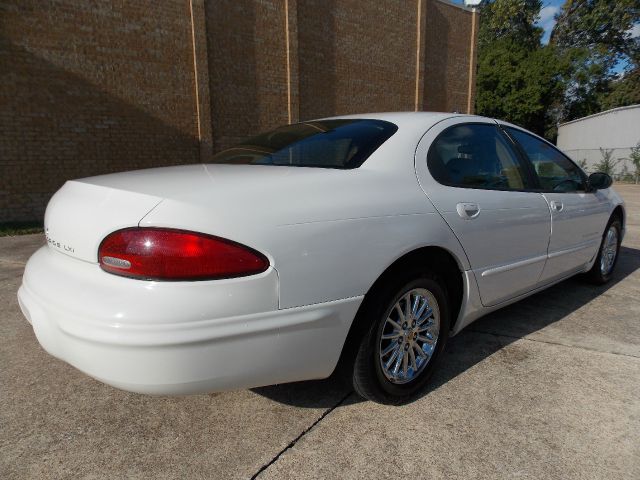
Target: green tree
{"x":518,"y":79}
{"x":512,"y":19}
{"x":607,"y":164}
{"x":583,"y":164}
{"x":622,"y":91}
{"x":519,"y":85}
{"x":600,"y":26}
{"x":595,"y":36}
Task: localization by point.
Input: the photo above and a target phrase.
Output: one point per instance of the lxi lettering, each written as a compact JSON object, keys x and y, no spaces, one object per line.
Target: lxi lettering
{"x":57,"y":244}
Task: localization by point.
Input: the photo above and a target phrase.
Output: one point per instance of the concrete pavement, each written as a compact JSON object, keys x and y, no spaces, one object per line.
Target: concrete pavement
{"x":546,"y":388}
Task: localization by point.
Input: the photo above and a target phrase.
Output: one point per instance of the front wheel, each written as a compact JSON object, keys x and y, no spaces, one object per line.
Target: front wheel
{"x":409,"y":326}
{"x":607,"y":258}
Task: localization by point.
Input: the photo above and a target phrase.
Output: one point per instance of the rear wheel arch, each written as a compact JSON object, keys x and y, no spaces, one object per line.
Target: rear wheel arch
{"x":437,"y":260}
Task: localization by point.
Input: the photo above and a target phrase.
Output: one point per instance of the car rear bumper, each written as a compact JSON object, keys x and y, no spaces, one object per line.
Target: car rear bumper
{"x":178,"y":337}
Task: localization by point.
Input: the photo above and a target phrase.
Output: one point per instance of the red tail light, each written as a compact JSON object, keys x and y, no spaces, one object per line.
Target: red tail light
{"x":166,"y":254}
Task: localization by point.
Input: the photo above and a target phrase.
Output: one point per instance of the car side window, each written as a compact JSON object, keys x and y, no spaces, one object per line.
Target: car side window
{"x":555,"y":172}
{"x":476,"y":156}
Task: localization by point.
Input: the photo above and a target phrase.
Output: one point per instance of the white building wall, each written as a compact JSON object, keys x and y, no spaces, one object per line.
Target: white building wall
{"x":617,"y":130}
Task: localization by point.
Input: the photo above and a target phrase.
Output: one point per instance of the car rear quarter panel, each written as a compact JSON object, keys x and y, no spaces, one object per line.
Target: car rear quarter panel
{"x":329,"y":235}
{"x":343,"y":258}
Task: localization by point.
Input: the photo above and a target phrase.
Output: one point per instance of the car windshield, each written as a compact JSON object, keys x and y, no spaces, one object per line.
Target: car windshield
{"x":323,"y":144}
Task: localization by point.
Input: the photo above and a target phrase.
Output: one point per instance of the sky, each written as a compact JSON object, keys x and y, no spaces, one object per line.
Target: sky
{"x":547,"y":14}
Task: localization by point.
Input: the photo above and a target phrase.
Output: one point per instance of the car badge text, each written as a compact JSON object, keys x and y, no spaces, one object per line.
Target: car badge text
{"x":55,"y":243}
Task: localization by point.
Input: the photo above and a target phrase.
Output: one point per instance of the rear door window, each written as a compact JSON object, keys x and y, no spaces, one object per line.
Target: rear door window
{"x":476,"y":156}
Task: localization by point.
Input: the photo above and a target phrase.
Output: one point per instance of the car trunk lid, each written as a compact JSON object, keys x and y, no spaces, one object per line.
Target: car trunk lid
{"x":81,"y":214}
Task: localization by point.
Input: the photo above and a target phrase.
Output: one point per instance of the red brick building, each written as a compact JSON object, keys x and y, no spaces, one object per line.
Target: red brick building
{"x":90,"y":87}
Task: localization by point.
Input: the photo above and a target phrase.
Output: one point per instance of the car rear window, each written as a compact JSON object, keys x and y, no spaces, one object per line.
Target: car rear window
{"x":323,"y":144}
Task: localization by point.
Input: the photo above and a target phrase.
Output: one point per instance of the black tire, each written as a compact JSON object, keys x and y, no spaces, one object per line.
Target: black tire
{"x":368,"y":378}
{"x":596,"y":274}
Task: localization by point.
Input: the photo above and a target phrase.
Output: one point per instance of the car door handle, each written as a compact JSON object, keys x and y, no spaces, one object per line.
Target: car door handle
{"x":468,"y":211}
{"x":556,"y":205}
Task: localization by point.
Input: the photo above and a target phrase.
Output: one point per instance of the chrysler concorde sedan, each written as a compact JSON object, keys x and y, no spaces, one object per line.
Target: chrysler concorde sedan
{"x":364,"y":240}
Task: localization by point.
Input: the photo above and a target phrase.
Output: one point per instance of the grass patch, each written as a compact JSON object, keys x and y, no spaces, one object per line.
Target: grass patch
{"x":20,"y":228}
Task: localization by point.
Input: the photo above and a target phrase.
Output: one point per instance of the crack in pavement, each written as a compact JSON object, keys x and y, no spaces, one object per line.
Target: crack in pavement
{"x":13,"y":262}
{"x":579,"y":347}
{"x":341,"y":402}
{"x":304,"y":432}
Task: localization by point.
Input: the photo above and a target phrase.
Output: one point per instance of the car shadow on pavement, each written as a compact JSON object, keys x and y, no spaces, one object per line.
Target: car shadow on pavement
{"x":476,"y":342}
{"x":324,"y":393}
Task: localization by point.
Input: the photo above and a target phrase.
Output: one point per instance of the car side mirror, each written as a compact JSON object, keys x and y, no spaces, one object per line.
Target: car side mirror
{"x":600,"y":180}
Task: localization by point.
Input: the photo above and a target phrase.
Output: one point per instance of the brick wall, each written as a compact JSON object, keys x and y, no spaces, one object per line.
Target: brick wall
{"x":447,"y":56}
{"x":247,"y":68}
{"x":91,"y":87}
{"x":356,"y":57}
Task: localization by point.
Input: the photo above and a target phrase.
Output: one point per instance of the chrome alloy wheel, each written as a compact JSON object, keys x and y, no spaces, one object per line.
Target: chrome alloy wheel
{"x":409,"y":336}
{"x":609,"y":251}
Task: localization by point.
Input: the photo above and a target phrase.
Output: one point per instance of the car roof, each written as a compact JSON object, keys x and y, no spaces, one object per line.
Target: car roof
{"x":415,"y":122}
{"x":404,"y":119}
{"x":411,"y":127}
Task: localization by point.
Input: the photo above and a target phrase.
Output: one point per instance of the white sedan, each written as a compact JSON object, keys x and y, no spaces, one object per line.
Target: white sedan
{"x":368,"y":239}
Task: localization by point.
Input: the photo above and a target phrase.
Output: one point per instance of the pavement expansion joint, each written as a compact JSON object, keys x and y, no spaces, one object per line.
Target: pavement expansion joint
{"x":302,"y":434}
{"x":13,"y":262}
{"x":579,"y":347}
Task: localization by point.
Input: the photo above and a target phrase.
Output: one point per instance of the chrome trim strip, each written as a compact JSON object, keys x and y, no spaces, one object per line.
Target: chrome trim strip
{"x":582,"y":246}
{"x":513,"y":266}
{"x":529,"y":261}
